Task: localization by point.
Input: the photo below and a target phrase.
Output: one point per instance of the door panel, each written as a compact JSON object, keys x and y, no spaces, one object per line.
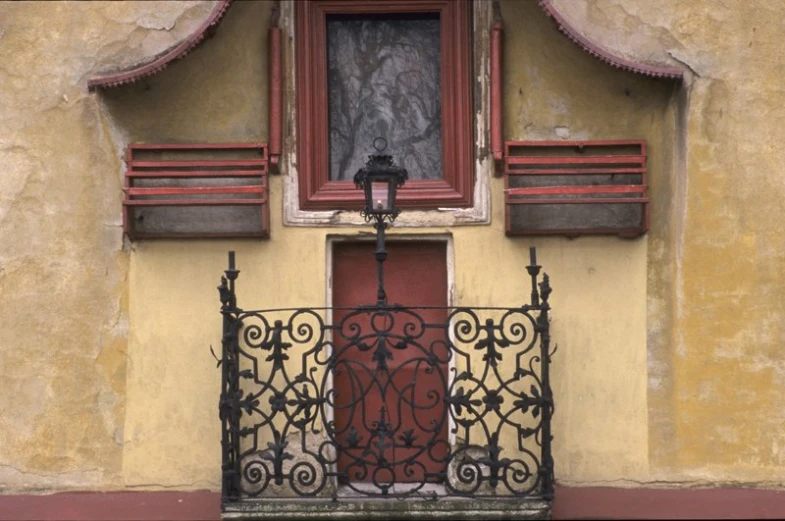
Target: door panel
{"x":390,"y":417}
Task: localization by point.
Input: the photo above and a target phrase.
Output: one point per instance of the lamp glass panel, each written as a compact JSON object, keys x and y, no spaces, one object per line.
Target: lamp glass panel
{"x":380,"y":196}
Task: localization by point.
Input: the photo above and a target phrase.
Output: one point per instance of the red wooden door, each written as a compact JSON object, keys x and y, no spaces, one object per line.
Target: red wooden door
{"x":380,"y":383}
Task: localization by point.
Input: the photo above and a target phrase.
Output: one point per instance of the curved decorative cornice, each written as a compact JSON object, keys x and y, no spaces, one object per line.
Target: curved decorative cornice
{"x":654,"y":71}
{"x":158,"y":63}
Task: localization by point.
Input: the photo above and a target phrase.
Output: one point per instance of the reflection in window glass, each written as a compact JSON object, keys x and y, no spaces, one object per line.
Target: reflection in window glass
{"x":384,"y":81}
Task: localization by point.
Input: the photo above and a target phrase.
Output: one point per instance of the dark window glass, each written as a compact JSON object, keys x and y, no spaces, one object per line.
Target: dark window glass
{"x":384,"y":81}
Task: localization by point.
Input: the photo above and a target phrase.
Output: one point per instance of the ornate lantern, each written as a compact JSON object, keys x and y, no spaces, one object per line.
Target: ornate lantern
{"x":380,"y":179}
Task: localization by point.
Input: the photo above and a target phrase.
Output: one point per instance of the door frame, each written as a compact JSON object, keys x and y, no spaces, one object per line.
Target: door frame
{"x":447,"y":238}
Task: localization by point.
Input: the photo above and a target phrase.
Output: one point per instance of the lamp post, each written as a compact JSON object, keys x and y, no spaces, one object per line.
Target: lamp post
{"x":380,"y":179}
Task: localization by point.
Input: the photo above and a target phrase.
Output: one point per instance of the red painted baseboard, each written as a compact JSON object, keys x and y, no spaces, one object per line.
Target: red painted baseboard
{"x":570,"y":503}
{"x":113,"y":506}
{"x":649,"y":503}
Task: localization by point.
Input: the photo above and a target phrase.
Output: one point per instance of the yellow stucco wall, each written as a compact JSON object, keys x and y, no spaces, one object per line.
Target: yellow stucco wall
{"x":716,"y":271}
{"x":173,"y":298}
{"x":63,"y":270}
{"x":667,"y":368}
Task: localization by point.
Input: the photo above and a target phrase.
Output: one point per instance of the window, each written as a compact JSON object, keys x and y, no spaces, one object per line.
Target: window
{"x":398,"y":69}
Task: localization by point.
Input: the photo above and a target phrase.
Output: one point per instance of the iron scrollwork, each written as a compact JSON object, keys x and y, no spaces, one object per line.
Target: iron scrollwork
{"x":386,"y":400}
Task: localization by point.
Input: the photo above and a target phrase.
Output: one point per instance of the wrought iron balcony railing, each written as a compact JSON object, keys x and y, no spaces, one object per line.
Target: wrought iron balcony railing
{"x":386,"y":401}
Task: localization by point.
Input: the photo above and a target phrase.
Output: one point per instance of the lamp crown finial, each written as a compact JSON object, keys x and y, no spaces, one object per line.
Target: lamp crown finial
{"x":380,"y":144}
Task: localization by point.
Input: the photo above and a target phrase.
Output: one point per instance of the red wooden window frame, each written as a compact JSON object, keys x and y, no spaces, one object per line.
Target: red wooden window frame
{"x":317,"y":192}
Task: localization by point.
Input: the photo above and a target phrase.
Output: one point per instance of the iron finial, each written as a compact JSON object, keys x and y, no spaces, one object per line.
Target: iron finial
{"x":380,"y":144}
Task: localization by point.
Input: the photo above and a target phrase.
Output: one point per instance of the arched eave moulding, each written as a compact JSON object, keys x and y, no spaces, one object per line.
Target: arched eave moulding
{"x":157,"y":63}
{"x":602,"y":54}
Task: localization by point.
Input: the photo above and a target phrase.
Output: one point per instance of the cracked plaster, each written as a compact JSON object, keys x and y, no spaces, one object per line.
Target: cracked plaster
{"x":710,"y":412}
{"x":722,"y":280}
{"x":63,"y":270}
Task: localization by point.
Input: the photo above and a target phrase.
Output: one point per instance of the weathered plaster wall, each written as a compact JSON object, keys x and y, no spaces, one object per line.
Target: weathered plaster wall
{"x":63,"y":271}
{"x":218,"y":94}
{"x":715,"y":365}
{"x":172,"y":381}
{"x":667,"y":369}
{"x":553,"y":90}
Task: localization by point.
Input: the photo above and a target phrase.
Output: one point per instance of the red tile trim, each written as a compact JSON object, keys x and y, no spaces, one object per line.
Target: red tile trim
{"x":655,"y":71}
{"x":158,"y":63}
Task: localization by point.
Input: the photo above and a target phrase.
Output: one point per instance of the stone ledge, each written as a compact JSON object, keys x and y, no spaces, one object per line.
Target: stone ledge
{"x":367,"y":508}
